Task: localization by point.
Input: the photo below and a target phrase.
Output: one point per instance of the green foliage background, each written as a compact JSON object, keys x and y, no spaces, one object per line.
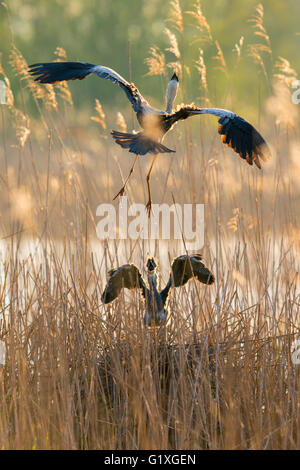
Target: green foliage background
{"x":119,"y":34}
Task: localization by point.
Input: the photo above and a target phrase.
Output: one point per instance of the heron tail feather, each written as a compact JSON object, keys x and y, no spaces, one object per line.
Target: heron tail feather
{"x":139,"y":143}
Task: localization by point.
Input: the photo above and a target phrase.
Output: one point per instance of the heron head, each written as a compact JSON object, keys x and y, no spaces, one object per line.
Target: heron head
{"x":175,"y":77}
{"x":151,"y":265}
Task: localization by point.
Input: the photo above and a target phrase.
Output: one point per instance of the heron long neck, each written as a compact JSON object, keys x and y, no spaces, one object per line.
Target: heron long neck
{"x":154,"y":300}
{"x":171,"y":95}
{"x":155,"y":314}
{"x":152,"y":279}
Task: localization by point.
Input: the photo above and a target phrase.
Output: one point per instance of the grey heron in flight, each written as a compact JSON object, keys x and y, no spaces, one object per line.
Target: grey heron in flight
{"x":128,"y":276}
{"x":236,"y":132}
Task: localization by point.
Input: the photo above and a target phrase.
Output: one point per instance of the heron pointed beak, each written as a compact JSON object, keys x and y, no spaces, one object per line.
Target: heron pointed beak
{"x":151,"y":265}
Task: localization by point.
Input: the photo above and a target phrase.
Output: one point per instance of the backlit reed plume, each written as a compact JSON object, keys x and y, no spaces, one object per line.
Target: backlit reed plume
{"x":20,"y":67}
{"x":238,"y":47}
{"x":21,"y":121}
{"x":63,"y":87}
{"x":176,"y":16}
{"x":219,"y":58}
{"x":257,"y":21}
{"x":173,"y":43}
{"x":258,"y":50}
{"x":201,"y":23}
{"x":201,"y":68}
{"x":156,"y":62}
{"x":283,"y":72}
{"x":174,"y":49}
{"x":100,"y":118}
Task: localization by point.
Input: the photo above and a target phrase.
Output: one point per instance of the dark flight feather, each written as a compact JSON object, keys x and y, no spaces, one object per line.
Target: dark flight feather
{"x":139,"y":143}
{"x":52,"y":72}
{"x":186,"y":267}
{"x":244,"y":139}
{"x":126,"y":276}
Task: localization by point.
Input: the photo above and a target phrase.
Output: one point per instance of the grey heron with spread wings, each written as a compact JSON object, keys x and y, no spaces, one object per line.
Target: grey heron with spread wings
{"x":128,"y":276}
{"x":236,"y":132}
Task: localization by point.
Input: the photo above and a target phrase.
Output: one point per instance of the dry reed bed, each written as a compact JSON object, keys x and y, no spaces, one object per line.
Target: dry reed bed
{"x":81,"y":376}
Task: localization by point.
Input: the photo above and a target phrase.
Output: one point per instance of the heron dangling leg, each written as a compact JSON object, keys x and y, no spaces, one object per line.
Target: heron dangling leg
{"x":148,"y":205}
{"x":121,"y":192}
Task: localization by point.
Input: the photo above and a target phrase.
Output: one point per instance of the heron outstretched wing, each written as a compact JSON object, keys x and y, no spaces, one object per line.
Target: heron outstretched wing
{"x":126,"y":276}
{"x":52,"y":72}
{"x":236,"y":132}
{"x":185,"y":268}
